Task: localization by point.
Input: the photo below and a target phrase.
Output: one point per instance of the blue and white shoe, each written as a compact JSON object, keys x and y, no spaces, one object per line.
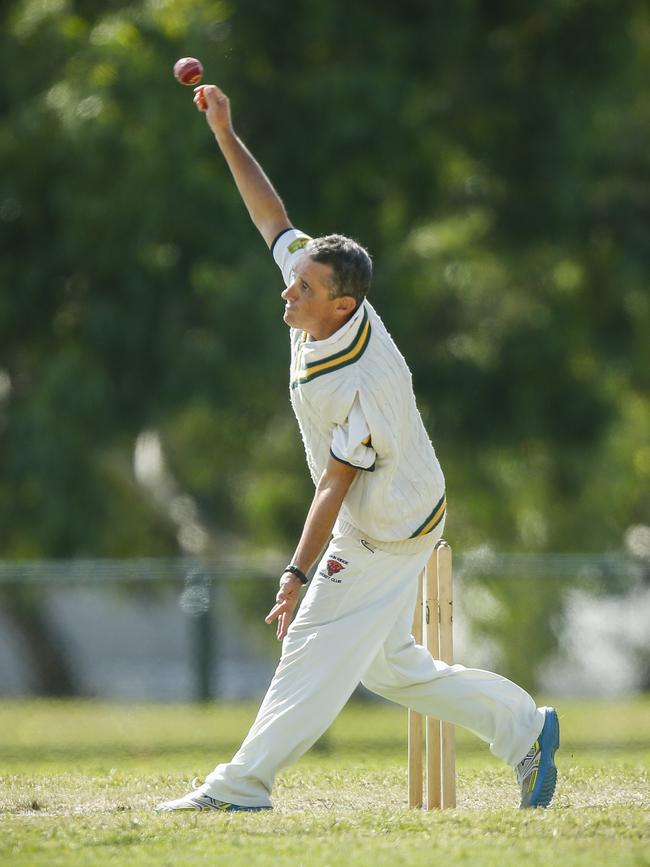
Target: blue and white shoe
{"x":199,"y":799}
{"x":536,"y":773}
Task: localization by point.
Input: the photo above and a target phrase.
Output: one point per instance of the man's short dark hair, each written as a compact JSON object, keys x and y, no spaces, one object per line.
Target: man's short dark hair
{"x":350,"y":263}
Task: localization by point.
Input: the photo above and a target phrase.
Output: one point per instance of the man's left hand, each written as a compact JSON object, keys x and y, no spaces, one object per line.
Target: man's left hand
{"x":285,"y":604}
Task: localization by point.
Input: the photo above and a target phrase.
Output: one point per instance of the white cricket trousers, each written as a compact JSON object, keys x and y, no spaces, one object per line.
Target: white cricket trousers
{"x":355,"y":625}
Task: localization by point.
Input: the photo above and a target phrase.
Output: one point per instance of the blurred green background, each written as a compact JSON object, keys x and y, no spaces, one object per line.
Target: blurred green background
{"x":493,"y":158}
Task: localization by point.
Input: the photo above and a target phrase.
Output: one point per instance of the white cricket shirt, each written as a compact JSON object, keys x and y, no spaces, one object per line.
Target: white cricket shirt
{"x":353,"y":398}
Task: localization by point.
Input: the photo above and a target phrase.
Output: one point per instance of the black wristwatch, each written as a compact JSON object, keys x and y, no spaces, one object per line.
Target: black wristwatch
{"x":298,"y":572}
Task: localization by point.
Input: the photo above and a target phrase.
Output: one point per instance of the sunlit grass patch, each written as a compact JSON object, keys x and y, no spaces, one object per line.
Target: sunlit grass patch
{"x":80,"y":780}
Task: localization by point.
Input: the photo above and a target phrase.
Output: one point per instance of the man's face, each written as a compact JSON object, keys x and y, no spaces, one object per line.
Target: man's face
{"x":308,"y":303}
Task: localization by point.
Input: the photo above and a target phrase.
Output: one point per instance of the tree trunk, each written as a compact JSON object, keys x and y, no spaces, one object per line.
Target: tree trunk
{"x":43,"y":647}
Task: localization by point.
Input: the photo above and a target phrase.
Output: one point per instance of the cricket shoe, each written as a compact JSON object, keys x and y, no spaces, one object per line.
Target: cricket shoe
{"x":536,"y":772}
{"x":199,"y":799}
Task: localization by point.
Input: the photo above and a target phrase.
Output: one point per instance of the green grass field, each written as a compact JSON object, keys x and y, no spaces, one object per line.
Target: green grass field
{"x":80,"y":779}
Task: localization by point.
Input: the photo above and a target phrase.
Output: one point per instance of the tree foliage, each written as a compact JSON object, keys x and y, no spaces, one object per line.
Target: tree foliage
{"x":493,"y":157}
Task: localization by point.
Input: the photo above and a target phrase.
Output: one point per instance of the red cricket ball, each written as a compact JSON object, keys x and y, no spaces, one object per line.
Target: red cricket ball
{"x":188,"y":70}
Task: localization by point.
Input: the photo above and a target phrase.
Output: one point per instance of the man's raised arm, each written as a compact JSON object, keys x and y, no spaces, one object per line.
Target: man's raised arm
{"x":264,"y":205}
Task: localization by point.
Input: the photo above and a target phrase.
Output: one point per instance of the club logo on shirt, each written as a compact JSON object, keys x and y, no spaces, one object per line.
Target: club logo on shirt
{"x":298,"y":244}
{"x":333,"y":566}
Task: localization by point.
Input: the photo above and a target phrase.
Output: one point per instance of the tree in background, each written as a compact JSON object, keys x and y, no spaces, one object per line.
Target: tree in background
{"x":492,"y":157}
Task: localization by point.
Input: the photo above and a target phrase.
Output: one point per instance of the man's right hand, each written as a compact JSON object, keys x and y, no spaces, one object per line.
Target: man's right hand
{"x":264,"y":205}
{"x":211,"y":100}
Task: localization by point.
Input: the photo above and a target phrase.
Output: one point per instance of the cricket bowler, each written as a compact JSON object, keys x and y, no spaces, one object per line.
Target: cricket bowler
{"x":378,"y":510}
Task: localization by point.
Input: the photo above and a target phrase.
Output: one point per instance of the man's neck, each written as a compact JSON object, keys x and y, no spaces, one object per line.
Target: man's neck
{"x":328,"y":329}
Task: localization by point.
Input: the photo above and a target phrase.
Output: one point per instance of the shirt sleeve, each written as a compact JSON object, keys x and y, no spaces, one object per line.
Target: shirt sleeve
{"x":286,"y":249}
{"x":351,"y":441}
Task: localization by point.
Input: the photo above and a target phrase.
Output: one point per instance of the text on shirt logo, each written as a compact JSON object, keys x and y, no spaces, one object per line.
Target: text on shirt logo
{"x":334,"y":565}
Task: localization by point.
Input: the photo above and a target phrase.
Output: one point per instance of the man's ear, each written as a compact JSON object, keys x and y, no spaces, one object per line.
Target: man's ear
{"x":346,"y":304}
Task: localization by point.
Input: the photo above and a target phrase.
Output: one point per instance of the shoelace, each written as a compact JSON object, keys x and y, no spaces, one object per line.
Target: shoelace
{"x":527,"y":762}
